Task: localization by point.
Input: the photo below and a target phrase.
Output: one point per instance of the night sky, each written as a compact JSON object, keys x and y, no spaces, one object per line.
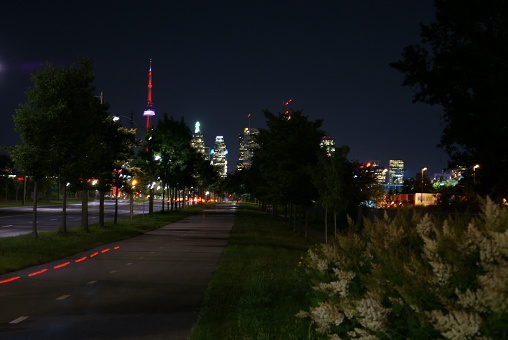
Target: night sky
{"x":218,"y":61}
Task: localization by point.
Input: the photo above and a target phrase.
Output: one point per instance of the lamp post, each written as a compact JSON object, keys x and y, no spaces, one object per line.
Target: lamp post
{"x":421,"y":194}
{"x":474,"y":173}
{"x":133,"y":185}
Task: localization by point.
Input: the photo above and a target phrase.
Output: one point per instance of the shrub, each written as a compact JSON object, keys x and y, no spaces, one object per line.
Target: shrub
{"x":414,"y":277}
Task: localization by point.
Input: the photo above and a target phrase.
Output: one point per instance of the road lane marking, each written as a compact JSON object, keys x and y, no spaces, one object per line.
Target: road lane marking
{"x":20,"y":319}
{"x":61,"y":265}
{"x":63,"y":297}
{"x":8,"y":226}
{"x":91,"y":282}
{"x":36,"y":273}
{"x":11,"y":279}
{"x":113,"y":271}
{"x":129,"y":264}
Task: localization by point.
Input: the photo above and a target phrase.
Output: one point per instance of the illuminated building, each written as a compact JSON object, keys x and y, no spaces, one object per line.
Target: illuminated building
{"x":246,"y":150}
{"x":149,"y":109}
{"x":329,"y":144}
{"x":219,"y":156}
{"x":395,"y":171}
{"x":379,"y":171}
{"x":457,"y":173}
{"x":198,"y":142}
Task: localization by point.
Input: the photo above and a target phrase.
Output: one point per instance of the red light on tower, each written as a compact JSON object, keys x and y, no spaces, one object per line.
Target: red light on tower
{"x":149,"y":109}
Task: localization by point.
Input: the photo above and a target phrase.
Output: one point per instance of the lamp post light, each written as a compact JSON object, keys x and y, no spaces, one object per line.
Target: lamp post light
{"x":421,"y":194}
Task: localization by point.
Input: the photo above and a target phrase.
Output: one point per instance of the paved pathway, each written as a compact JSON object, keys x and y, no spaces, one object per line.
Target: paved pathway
{"x":148,"y":287}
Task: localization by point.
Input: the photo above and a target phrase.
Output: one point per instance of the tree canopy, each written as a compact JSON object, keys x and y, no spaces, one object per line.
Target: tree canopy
{"x":288,"y":152}
{"x":461,"y":64}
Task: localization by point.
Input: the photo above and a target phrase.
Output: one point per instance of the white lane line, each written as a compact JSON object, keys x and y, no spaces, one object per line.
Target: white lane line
{"x":63,"y":297}
{"x":8,"y":225}
{"x":113,"y":271}
{"x":20,"y":319}
{"x":91,"y":282}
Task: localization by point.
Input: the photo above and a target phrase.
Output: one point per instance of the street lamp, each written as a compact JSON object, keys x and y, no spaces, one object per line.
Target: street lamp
{"x":474,"y":173}
{"x":133,"y":185}
{"x":421,"y":194}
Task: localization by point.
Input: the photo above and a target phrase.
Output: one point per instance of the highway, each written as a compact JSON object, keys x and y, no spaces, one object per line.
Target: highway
{"x":18,"y":220}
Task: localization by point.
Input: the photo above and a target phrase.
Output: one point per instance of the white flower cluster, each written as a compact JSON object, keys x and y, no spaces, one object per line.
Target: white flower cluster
{"x":372,"y":315}
{"x":338,"y":287}
{"x":324,"y":315}
{"x":456,"y":324}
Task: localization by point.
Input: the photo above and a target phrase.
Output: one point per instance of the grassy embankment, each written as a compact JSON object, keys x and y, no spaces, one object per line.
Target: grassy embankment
{"x":23,"y":251}
{"x":258,"y":286}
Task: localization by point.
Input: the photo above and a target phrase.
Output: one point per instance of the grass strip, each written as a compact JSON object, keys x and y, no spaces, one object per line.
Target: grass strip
{"x":258,"y":286}
{"x":23,"y":251}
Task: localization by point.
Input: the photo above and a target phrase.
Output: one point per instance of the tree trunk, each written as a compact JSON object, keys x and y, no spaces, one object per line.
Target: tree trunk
{"x":84,"y":210}
{"x":150,"y":200}
{"x":163,"y":197}
{"x":34,"y":221}
{"x":63,"y":227}
{"x":306,"y":222}
{"x":131,"y":205}
{"x":101,"y":207}
{"x":115,"y":220}
{"x":335,"y":223}
{"x":326,"y":224}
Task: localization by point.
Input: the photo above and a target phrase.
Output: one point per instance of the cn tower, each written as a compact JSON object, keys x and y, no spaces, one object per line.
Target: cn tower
{"x":149,"y":109}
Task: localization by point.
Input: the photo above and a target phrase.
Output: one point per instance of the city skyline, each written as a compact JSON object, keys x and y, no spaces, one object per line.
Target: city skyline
{"x":219,"y":63}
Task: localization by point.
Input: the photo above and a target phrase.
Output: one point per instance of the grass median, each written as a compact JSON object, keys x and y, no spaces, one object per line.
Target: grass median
{"x":258,"y":286}
{"x":23,"y":251}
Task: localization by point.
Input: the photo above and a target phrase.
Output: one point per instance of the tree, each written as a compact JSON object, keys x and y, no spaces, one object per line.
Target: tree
{"x":461,"y":64}
{"x":170,"y":156}
{"x":59,"y":126}
{"x":286,"y":157}
{"x":414,"y":185}
{"x":113,"y":146}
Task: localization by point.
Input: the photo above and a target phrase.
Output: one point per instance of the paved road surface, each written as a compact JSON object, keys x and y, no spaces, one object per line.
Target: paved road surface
{"x":18,"y":220}
{"x":147,"y":287}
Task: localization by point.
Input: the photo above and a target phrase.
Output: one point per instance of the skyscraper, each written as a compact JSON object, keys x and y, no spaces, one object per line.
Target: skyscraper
{"x":219,"y":156}
{"x":328,"y":143}
{"x":198,"y":142}
{"x":396,"y":171}
{"x":246,"y":149}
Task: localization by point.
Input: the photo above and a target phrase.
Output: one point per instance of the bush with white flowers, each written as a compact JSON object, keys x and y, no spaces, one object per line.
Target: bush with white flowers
{"x":414,"y":277}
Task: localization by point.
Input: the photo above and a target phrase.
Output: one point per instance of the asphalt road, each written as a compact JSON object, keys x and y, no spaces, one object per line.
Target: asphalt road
{"x":18,"y":220}
{"x":148,"y":287}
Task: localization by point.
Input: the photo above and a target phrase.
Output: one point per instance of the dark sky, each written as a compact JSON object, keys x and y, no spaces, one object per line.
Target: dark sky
{"x":218,"y":61}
